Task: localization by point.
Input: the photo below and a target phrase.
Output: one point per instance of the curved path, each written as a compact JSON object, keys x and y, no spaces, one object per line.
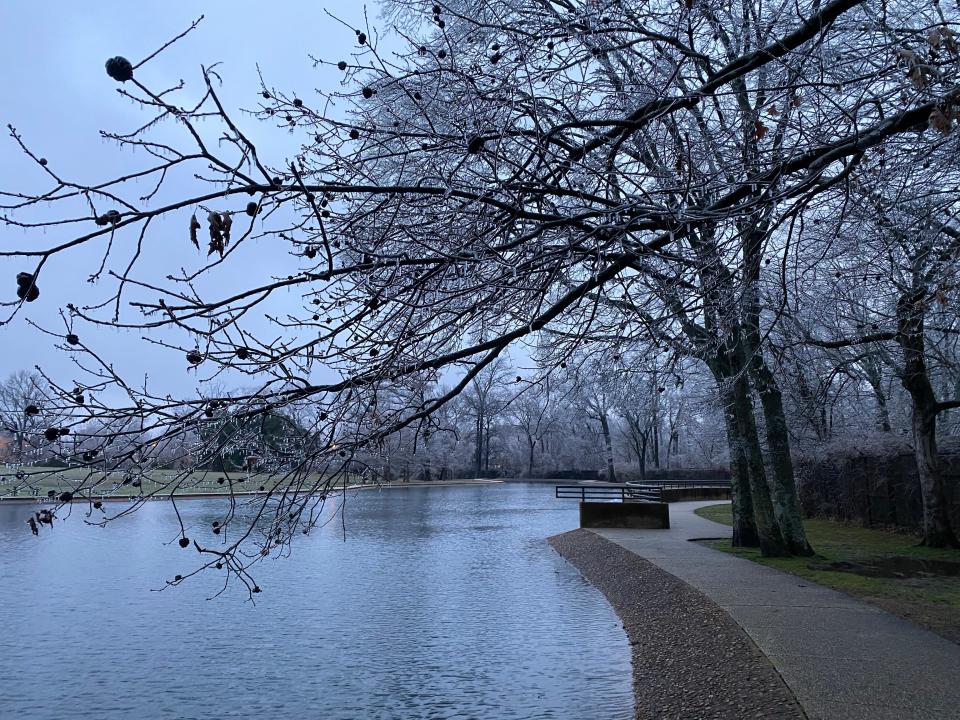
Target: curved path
{"x":843,"y":658}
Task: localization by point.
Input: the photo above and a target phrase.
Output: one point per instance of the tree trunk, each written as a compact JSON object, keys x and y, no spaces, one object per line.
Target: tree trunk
{"x":486,"y":455}
{"x":605,"y":426}
{"x":531,"y":445}
{"x":642,"y":457}
{"x":937,"y":530}
{"x":786,"y":502}
{"x":744,"y":526}
{"x":784,"y":499}
{"x":769,"y":534}
{"x":655,"y":431}
{"x":745,"y":532}
{"x":478,"y":454}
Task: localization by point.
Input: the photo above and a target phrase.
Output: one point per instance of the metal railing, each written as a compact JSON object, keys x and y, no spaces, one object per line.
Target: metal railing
{"x":680,"y":484}
{"x":610,"y":493}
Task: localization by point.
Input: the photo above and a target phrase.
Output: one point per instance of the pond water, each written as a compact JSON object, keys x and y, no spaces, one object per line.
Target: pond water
{"x":441,"y":602}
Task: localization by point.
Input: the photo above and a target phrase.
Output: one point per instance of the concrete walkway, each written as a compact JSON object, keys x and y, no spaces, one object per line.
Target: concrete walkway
{"x":843,"y":659}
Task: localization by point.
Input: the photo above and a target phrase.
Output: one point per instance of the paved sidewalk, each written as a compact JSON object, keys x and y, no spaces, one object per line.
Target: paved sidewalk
{"x":843,"y":659}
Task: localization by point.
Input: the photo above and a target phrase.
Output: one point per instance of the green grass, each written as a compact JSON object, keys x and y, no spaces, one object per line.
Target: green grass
{"x":934,"y":602}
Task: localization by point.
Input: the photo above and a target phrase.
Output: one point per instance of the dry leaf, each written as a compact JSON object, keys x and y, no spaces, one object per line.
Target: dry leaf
{"x":918,"y":78}
{"x":906,"y":55}
{"x":760,"y":129}
{"x":941,"y":122}
{"x":949,"y":38}
{"x":772,"y":111}
{"x":216,"y":234}
{"x":194,"y":226}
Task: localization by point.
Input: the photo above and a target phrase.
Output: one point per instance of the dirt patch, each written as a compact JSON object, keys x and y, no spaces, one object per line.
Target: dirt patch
{"x":690,"y":659}
{"x":894,"y":567}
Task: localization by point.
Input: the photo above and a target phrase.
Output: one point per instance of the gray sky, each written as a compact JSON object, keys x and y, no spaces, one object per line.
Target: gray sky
{"x":58,"y":96}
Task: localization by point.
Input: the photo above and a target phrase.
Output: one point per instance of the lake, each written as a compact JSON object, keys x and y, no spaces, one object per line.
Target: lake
{"x":441,"y":602}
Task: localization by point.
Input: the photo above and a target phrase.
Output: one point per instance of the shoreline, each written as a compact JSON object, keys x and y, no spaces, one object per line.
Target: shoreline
{"x":40,"y":500}
{"x":690,"y":658}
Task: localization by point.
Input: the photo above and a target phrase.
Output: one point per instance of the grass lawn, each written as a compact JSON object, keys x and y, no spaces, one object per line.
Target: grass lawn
{"x":933,"y":602}
{"x":94,"y":483}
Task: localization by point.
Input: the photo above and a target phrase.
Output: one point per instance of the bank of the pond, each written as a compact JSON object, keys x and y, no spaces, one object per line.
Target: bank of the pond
{"x":690,"y":659}
{"x":40,"y":500}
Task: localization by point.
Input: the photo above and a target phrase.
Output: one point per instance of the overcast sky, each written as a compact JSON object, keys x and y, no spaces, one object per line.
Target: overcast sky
{"x":58,"y":96}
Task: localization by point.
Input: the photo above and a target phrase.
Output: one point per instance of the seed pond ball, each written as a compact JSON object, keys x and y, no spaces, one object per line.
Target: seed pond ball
{"x":354,"y":134}
{"x":178,"y":578}
{"x":243,"y":353}
{"x":119,"y":68}
{"x":216,"y":531}
{"x":72,"y":339}
{"x":51,"y":434}
{"x":26,"y":287}
{"x":367,"y":92}
{"x":219,"y":566}
{"x":361,"y":38}
{"x":297,"y":102}
{"x":475,"y":145}
{"x":216,"y":523}
{"x":97,"y":504}
{"x":50,"y":493}
{"x":342,"y":65}
{"x":261,"y":488}
{"x":31,"y":410}
{"x":194,"y":357}
{"x":43,"y":161}
{"x":66,"y":497}
{"x":266,"y":95}
{"x":183,"y":542}
{"x":442,"y":54}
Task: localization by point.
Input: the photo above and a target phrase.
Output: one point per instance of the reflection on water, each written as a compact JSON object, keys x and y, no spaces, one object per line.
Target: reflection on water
{"x":442,"y":603}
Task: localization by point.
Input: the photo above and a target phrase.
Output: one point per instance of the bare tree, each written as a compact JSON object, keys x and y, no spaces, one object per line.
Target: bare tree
{"x":21,"y":399}
{"x":605,"y":176}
